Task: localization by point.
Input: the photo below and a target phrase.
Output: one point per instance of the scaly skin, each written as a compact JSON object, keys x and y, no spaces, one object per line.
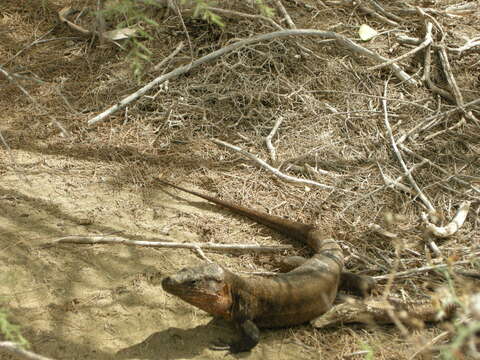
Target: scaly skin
{"x":290,"y":298}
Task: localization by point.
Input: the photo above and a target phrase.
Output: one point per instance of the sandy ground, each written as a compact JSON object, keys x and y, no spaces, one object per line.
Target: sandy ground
{"x":102,"y":302}
{"x":105,"y":301}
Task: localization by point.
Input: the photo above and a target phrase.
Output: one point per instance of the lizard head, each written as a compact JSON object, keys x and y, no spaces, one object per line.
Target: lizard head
{"x":205,"y":287}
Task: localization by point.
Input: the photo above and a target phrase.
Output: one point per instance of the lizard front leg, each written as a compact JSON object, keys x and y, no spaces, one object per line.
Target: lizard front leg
{"x":249,"y":338}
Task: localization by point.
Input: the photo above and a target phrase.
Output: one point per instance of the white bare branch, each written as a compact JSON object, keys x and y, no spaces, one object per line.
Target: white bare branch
{"x":14,"y":348}
{"x":453,"y":226}
{"x":115,"y":240}
{"x":340,"y":39}
{"x":270,"y":168}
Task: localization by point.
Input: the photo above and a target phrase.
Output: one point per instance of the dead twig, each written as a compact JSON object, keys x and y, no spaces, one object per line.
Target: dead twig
{"x":169,"y":57}
{"x":452,"y":83}
{"x":431,"y":163}
{"x":285,"y":14}
{"x":35,"y":102}
{"x":430,"y":343}
{"x":432,"y":120}
{"x":428,"y":59}
{"x":384,"y":12}
{"x":185,"y":30}
{"x":245,"y":15}
{"x":407,"y":173}
{"x":376,"y":15}
{"x":440,"y":132}
{"x":273,"y":170}
{"x":109,"y":240}
{"x":389,"y":182}
{"x":268,"y":139}
{"x":341,"y":40}
{"x":424,"y":269}
{"x":426,"y":42}
{"x":469,"y":44}
{"x":98,"y":28}
{"x":451,"y":11}
{"x":382,"y":232}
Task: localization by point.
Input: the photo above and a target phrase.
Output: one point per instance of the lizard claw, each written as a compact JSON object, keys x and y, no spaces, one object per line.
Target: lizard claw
{"x":219,"y":346}
{"x":233,"y":348}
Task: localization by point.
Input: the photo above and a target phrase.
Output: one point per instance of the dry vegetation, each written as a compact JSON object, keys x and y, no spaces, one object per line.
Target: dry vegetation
{"x":62,"y":177}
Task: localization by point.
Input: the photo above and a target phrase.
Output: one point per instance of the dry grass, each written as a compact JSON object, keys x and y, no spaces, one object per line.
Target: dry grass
{"x":238,"y":99}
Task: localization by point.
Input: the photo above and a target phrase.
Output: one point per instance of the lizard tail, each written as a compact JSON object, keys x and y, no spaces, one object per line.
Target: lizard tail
{"x":291,"y":228}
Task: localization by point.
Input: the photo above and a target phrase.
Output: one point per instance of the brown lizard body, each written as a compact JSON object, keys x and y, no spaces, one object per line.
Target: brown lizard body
{"x":292,"y":298}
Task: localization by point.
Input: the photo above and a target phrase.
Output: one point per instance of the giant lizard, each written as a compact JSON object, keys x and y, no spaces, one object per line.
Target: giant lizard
{"x":291,"y":298}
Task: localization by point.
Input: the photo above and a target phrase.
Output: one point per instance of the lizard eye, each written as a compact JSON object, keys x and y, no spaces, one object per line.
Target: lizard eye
{"x":193,"y":282}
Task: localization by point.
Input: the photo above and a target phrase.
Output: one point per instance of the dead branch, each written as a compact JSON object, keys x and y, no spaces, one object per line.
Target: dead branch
{"x":382,"y":232}
{"x":112,"y":35}
{"x":384,"y":12}
{"x":432,"y":120}
{"x":431,"y":163}
{"x":285,"y":14}
{"x":453,"y":127}
{"x":426,"y":42}
{"x":469,"y":44}
{"x":424,"y":269}
{"x":389,"y":182}
{"x":341,"y":40}
{"x":427,"y":65}
{"x":453,"y":226}
{"x":16,"y":349}
{"x":35,"y":102}
{"x":62,"y":16}
{"x":376,"y":15}
{"x":268,"y":139}
{"x":408,"y":174}
{"x":452,"y":83}
{"x":373,"y":311}
{"x":273,"y":170}
{"x":169,"y":57}
{"x":451,"y":11}
{"x":245,"y":15}
{"x":110,"y":240}
{"x":185,"y":30}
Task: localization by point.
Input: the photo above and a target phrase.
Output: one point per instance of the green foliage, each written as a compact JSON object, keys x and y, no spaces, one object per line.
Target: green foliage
{"x":370,"y":353}
{"x":202,"y":10}
{"x":264,"y":9}
{"x":464,"y":331}
{"x":11,"y":331}
{"x":134,"y":13}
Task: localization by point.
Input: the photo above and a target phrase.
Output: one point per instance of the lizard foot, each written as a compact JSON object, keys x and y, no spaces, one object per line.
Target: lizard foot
{"x":233,"y":348}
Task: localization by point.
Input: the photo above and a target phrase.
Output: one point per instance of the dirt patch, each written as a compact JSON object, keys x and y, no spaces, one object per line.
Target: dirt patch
{"x":102,"y":302}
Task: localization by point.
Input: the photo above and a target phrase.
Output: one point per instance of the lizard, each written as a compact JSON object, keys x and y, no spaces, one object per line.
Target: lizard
{"x":286,"y":299}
